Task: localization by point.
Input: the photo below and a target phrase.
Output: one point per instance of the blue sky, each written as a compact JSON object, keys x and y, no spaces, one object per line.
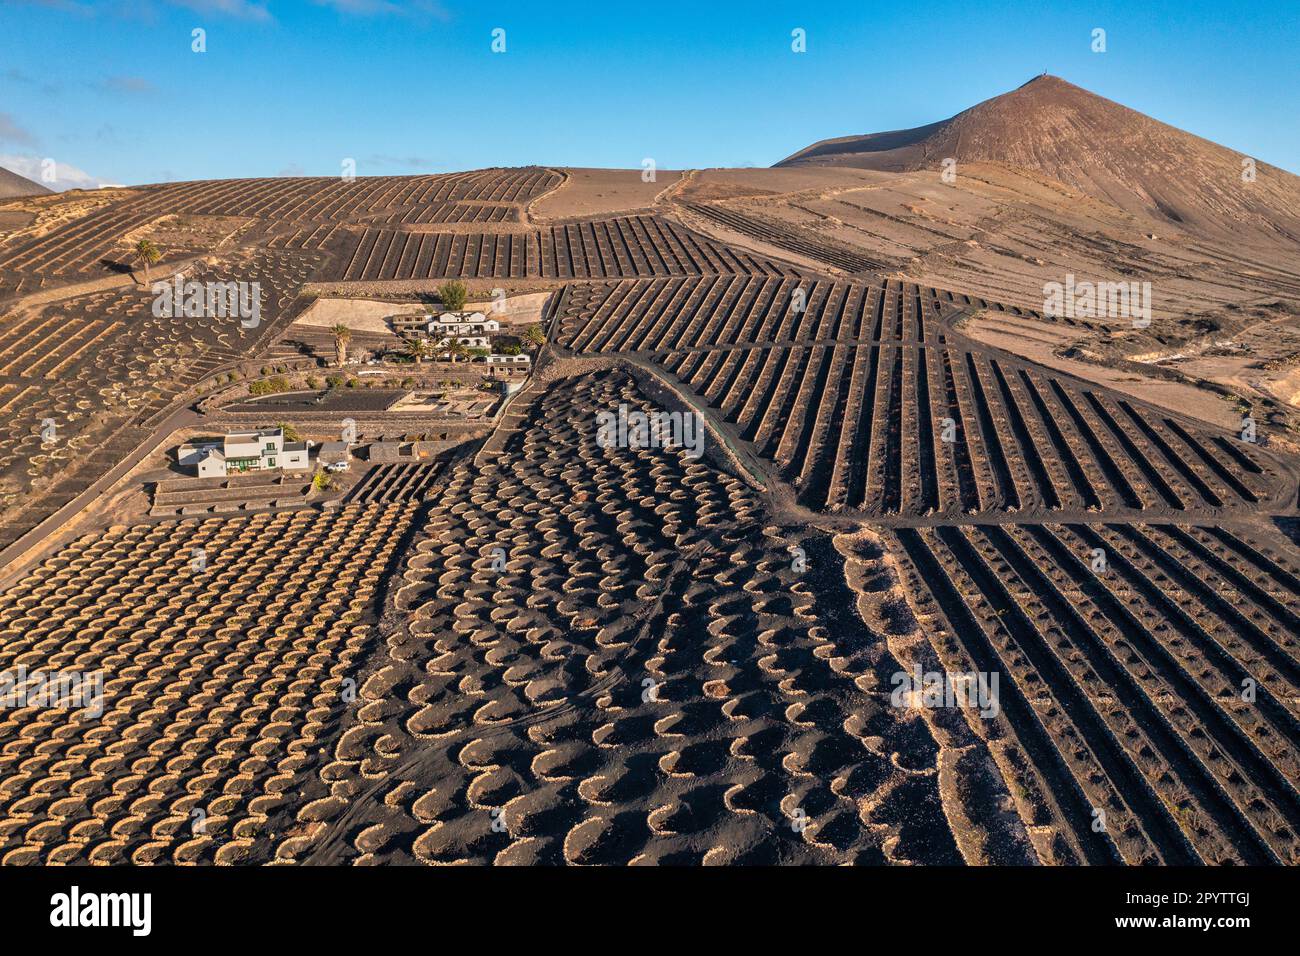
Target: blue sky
{"x":114,"y":90}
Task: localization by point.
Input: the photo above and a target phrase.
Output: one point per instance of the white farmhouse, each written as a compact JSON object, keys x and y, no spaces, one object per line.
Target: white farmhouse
{"x":261,"y":450}
{"x":462,"y":323}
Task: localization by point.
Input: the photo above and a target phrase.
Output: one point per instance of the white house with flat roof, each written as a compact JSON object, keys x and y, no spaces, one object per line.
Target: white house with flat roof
{"x":263,"y":449}
{"x":462,"y":323}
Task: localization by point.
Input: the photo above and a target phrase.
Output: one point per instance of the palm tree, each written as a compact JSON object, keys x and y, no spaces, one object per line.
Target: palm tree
{"x":457,"y":351}
{"x":342,"y":335}
{"x":146,"y":253}
{"x":534,"y":336}
{"x":417,"y":349}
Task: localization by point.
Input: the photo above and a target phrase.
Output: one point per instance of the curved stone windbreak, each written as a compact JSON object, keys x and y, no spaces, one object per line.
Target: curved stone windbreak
{"x":225,"y":651}
{"x":609,"y":656}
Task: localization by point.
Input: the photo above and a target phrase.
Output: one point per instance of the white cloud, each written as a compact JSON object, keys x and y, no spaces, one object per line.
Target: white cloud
{"x":366,"y":8}
{"x":127,"y":84}
{"x":147,"y":10}
{"x":26,"y":79}
{"x":240,"y":9}
{"x":65,"y":176}
{"x":67,"y":6}
{"x":11,"y":132}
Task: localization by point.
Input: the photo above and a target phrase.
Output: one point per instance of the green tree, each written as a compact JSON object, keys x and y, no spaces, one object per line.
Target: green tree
{"x":290,"y":433}
{"x":457,"y":351}
{"x":454,"y":295}
{"x":146,"y":253}
{"x":534,"y":336}
{"x":269,"y":386}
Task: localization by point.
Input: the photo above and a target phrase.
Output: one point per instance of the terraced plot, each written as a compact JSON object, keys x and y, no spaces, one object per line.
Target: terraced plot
{"x":407,"y":481}
{"x":334,"y":199}
{"x":895,"y":429}
{"x":783,"y":237}
{"x":102,"y":367}
{"x":454,"y":212}
{"x":186,"y":496}
{"x":295,"y":207}
{"x":808,"y":244}
{"x":1149,"y":670}
{"x":741,"y":310}
{"x":629,"y":246}
{"x":78,"y":248}
{"x":611,"y":655}
{"x":217,"y":681}
{"x":867,"y":401}
{"x":1149,"y":702}
{"x":636,"y":675}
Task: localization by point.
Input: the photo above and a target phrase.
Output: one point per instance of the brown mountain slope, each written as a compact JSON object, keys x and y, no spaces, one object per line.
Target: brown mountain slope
{"x":12,"y":186}
{"x":1095,"y":146}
